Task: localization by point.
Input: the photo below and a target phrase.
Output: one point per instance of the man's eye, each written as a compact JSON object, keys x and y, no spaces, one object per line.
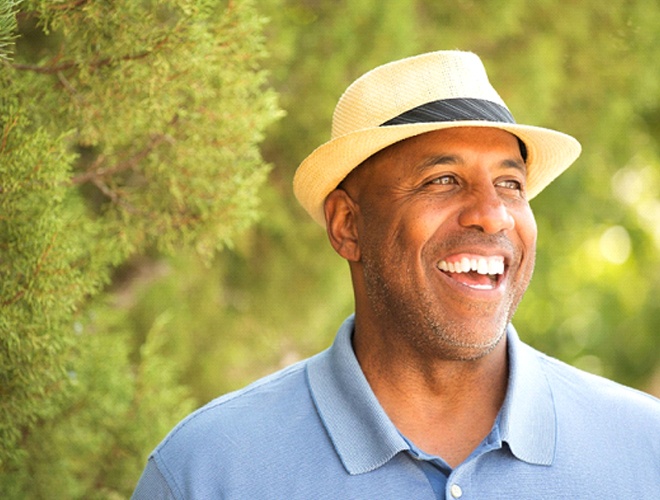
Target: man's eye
{"x":444,"y":180}
{"x":511,"y":184}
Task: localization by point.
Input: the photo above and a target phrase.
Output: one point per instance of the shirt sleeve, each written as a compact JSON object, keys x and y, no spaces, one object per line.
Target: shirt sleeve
{"x":152,"y":485}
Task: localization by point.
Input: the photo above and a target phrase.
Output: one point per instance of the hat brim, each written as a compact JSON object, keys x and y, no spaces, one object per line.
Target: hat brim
{"x":549,"y":153}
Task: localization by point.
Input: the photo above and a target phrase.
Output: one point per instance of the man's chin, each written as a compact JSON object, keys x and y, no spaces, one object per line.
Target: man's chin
{"x":463,"y":344}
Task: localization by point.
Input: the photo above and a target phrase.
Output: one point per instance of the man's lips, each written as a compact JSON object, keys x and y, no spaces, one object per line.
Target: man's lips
{"x":479,"y":272}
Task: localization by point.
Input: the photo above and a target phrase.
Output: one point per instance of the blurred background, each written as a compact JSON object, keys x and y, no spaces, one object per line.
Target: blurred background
{"x":152,"y":253}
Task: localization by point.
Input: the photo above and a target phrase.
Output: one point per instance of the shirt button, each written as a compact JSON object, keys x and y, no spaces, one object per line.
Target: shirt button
{"x":456,"y":491}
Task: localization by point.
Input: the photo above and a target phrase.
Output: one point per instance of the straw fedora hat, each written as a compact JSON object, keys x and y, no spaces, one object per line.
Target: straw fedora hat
{"x":412,"y":96}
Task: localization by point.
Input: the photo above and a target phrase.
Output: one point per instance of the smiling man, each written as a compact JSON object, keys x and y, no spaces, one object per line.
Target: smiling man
{"x":440,"y":240}
{"x":427,"y":391}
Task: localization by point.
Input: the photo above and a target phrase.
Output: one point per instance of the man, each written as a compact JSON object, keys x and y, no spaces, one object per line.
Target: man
{"x":427,"y":392}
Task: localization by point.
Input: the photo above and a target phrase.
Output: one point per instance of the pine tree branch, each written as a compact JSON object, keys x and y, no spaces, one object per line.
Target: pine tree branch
{"x":37,"y":271}
{"x":67,"y":6}
{"x":13,"y":300}
{"x":98,"y":176}
{"x":94,"y":172}
{"x":67,"y":86}
{"x":51,"y":68}
{"x":44,"y":255}
{"x":5,"y":134}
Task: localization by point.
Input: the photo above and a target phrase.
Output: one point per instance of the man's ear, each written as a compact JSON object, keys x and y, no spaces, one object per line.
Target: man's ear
{"x":341,"y":224}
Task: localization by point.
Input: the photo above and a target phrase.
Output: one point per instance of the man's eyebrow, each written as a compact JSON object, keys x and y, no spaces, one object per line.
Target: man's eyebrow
{"x":515,"y":164}
{"x":450,"y":159}
{"x":431,"y":161}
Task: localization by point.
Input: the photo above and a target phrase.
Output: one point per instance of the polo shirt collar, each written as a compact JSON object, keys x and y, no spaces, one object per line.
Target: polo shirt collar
{"x":361,"y":432}
{"x":528,"y":418}
{"x":365,"y":438}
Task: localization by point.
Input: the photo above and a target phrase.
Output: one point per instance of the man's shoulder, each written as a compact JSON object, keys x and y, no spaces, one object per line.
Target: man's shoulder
{"x":245,"y":415}
{"x":590,"y":391}
{"x":269,"y":430}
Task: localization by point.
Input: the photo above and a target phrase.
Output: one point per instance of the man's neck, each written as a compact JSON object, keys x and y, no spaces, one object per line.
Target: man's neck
{"x":445,"y":407}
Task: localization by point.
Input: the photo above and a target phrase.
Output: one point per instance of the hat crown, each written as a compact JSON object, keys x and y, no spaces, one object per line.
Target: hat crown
{"x":394,"y":88}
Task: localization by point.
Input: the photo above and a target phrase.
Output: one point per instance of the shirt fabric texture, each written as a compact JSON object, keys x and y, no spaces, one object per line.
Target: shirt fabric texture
{"x":315,"y":430}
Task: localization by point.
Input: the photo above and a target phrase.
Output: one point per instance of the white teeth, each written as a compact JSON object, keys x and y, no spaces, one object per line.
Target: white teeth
{"x":482,"y":265}
{"x":499,"y":267}
{"x":482,"y":268}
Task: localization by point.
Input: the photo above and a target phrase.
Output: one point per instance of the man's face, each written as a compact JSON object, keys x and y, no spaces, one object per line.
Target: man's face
{"x":446,"y":238}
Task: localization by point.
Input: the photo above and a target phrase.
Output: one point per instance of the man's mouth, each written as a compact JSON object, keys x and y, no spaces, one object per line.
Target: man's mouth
{"x":474,"y":271}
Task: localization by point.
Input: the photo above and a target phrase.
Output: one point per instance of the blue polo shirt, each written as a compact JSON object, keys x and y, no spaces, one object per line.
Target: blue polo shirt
{"x":315,"y":430}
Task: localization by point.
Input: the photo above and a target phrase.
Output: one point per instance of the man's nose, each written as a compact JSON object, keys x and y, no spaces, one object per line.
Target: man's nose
{"x":486,"y":211}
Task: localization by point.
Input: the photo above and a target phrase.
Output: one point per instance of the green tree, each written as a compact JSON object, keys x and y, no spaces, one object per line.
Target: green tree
{"x":128,"y":129}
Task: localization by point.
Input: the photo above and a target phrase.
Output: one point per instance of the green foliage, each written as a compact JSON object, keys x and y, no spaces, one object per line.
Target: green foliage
{"x":45,"y":270}
{"x":128,"y":128}
{"x":151,"y":85}
{"x":7,"y":27}
{"x":112,"y":414}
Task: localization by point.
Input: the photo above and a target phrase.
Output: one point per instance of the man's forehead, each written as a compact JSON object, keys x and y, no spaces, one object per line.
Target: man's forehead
{"x":447,"y":143}
{"x":452,"y":135}
{"x":458,"y":160}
